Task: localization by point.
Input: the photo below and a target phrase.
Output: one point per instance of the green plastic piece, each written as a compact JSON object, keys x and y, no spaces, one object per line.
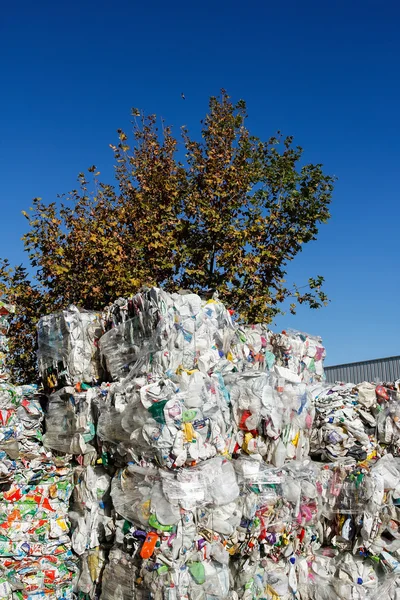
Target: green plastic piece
{"x":126,"y":527}
{"x":196,"y":569}
{"x":157,"y":525}
{"x":157,"y":411}
{"x":249,"y":584}
{"x":163,"y":569}
{"x":188,"y":415}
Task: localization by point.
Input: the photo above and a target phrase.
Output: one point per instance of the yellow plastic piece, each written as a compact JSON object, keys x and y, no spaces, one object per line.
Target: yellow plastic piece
{"x":188,"y":432}
{"x":295,"y":440}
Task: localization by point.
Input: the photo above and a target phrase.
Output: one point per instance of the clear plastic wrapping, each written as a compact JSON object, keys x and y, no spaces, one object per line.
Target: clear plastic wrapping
{"x":119,"y":577}
{"x":175,"y":422}
{"x":70,"y":426}
{"x":68,"y":347}
{"x":273,"y":417}
{"x":300,"y":353}
{"x":160,"y":333}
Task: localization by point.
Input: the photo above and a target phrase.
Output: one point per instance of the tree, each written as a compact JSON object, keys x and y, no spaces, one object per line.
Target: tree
{"x":32,"y":301}
{"x":230,"y":218}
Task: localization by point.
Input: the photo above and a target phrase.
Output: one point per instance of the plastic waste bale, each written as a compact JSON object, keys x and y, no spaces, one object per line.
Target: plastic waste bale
{"x":359,"y":515}
{"x":22,"y":454}
{"x":161,"y":333}
{"x":21,"y":416}
{"x":70,"y":420}
{"x":251,"y":348}
{"x":135,"y":327}
{"x":378,"y":538}
{"x":345,"y":424}
{"x":41,"y":535}
{"x":6,"y":310}
{"x":68,"y":347}
{"x":300,"y":353}
{"x":174,"y":422}
{"x":278,"y":530}
{"x":35,"y":548}
{"x":342,"y":576}
{"x":92,"y":526}
{"x":387,"y":412}
{"x":120,"y":574}
{"x":345,"y":491}
{"x":37,"y":578}
{"x":272,"y":416}
{"x":176,"y":526}
{"x":383,"y":402}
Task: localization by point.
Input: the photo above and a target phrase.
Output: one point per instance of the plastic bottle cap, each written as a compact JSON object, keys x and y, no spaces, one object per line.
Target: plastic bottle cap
{"x":292,"y":560}
{"x":359,"y":581}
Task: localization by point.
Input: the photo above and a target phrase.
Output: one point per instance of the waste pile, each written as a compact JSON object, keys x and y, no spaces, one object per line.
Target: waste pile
{"x":198,"y":404}
{"x":202,"y":460}
{"x":36,"y":560}
{"x":92,"y":526}
{"x":6,"y":310}
{"x":70,"y":366}
{"x":167,"y":421}
{"x":71,"y":434}
{"x":191,"y":392}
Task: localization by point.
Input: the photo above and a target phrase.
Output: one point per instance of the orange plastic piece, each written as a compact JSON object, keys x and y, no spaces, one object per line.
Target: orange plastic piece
{"x":149,"y":545}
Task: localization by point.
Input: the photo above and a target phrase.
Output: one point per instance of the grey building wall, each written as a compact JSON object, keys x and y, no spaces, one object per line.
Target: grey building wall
{"x":380,"y":369}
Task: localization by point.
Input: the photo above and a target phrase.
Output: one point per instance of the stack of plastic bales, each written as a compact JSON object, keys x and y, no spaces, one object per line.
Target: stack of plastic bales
{"x":206,"y":433}
{"x":278,"y":531}
{"x":167,"y":417}
{"x":172,"y":407}
{"x":35,"y":550}
{"x":358,"y":492}
{"x":70,"y":367}
{"x":360,"y":535}
{"x":191,"y":391}
{"x":92,"y":526}
{"x":6,"y":310}
{"x":71,"y":425}
{"x":273,"y":414}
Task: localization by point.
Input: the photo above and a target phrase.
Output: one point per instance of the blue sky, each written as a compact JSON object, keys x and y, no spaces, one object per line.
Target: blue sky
{"x":325,"y":72}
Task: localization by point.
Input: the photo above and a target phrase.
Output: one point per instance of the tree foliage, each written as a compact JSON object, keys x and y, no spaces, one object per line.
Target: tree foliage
{"x":228,"y":216}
